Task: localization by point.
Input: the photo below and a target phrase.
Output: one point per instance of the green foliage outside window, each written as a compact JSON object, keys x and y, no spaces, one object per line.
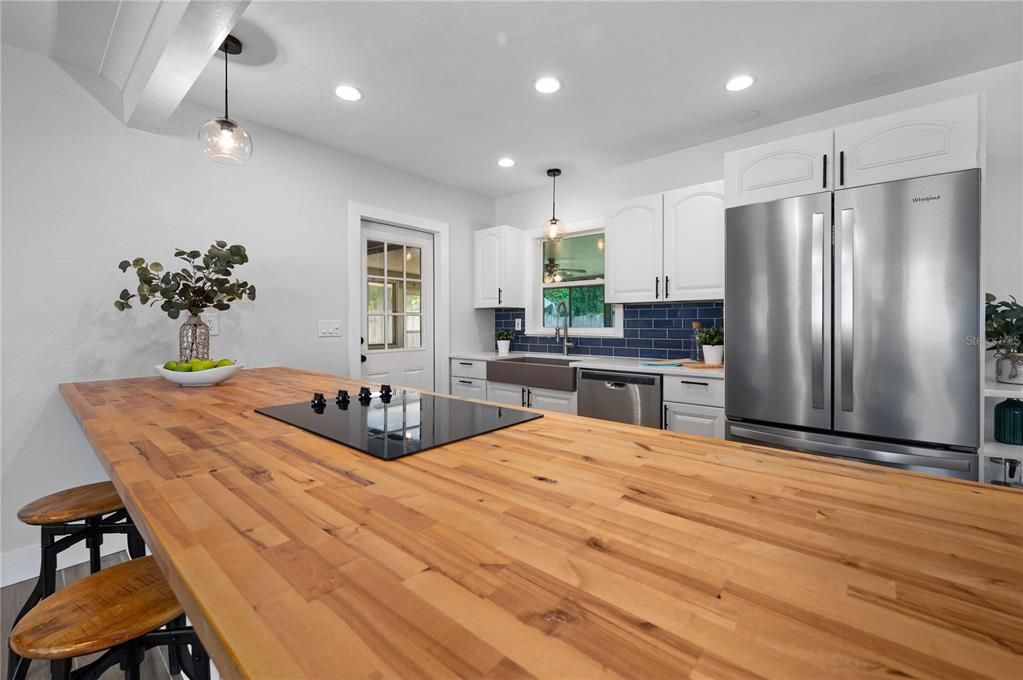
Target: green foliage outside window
{"x":586,"y":307}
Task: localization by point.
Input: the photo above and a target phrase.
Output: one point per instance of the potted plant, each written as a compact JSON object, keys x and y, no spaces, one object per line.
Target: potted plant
{"x":713,"y":342}
{"x":204,"y":283}
{"x":1003,"y":328}
{"x":504,"y":339}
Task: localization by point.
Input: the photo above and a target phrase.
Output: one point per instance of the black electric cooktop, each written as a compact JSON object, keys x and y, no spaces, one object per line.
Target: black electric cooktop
{"x":390,"y":425}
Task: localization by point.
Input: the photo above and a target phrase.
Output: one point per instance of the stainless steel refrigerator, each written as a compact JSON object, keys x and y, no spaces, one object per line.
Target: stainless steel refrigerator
{"x":852,"y":319}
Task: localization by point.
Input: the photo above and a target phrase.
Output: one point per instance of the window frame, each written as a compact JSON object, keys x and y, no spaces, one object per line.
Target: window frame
{"x":535,"y":286}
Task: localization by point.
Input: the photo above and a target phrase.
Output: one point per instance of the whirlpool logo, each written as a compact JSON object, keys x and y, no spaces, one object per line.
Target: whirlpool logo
{"x":926,"y":199}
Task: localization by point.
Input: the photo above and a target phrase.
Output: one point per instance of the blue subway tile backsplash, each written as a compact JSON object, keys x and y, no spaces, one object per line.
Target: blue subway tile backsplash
{"x":652,"y":331}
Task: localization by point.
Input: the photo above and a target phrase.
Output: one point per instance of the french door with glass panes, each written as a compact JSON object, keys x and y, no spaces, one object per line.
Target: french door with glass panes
{"x":397,"y":306}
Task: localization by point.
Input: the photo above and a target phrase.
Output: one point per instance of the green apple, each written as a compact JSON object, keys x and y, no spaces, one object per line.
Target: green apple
{"x":224,"y":362}
{"x":204,"y":365}
{"x":171,"y":365}
{"x":183,"y":368}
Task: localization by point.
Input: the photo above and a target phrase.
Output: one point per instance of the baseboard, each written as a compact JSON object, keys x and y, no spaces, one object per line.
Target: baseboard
{"x":23,"y":563}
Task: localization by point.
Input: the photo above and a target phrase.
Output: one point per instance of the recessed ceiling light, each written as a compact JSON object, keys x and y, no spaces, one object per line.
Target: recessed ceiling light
{"x":349,"y":93}
{"x":506,"y":162}
{"x":739,"y":83}
{"x":547,"y":85}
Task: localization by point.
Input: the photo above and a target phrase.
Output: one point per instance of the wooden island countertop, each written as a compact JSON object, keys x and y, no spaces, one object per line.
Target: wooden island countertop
{"x":561,"y":548}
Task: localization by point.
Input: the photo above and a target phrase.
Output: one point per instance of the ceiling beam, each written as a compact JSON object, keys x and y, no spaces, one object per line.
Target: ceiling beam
{"x":181,"y":40}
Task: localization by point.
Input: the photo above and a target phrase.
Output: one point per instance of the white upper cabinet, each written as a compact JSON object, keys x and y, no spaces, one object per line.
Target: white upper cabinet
{"x":632,"y":253}
{"x":929,"y":140}
{"x":792,"y":167}
{"x":694,"y":243}
{"x":498,"y":255}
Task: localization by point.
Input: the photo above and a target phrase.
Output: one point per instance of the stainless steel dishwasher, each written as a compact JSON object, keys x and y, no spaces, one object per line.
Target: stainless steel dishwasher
{"x":623,"y":397}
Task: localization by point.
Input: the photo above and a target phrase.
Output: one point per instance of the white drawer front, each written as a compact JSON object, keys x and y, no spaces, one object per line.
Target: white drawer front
{"x":694,"y":390}
{"x":470,"y":388}
{"x":469,"y":368}
{"x":705,"y":421}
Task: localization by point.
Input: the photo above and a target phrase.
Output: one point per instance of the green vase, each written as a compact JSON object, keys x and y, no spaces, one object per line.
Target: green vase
{"x":1009,"y":422}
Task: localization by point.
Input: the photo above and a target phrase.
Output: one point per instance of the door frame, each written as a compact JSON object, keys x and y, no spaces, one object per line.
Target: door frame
{"x":357,"y":212}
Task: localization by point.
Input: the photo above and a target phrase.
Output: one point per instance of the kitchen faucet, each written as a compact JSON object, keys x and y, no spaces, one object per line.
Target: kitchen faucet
{"x":562,"y":311}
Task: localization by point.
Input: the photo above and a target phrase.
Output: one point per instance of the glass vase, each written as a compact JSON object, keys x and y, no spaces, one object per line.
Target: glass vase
{"x":194,"y":339}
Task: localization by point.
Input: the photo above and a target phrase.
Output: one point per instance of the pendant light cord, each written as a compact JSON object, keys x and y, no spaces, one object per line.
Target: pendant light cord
{"x":554,"y":196}
{"x":225,"y":85}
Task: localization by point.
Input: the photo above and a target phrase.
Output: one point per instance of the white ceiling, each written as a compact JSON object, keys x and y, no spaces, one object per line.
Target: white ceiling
{"x":448,"y":85}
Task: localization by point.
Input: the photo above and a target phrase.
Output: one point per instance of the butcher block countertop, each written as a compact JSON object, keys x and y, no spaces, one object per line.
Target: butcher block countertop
{"x":561,"y":548}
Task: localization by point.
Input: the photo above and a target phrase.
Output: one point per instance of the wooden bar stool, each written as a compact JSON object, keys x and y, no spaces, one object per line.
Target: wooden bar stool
{"x":84,"y":513}
{"x":121,"y":611}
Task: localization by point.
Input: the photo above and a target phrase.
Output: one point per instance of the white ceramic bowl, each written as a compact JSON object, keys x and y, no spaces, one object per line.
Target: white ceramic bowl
{"x":211,"y":376}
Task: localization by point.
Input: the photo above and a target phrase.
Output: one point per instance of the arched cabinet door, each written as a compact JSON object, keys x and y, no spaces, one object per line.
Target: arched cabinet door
{"x":632,"y":252}
{"x":792,"y":167}
{"x":694,"y":243}
{"x":929,"y":140}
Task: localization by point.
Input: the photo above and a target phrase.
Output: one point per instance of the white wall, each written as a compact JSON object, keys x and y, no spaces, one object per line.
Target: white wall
{"x":82,"y":192}
{"x":1002,"y":205}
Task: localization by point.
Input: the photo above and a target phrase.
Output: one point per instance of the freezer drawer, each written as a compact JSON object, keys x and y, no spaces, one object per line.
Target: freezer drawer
{"x":959,"y":464}
{"x":623,"y":397}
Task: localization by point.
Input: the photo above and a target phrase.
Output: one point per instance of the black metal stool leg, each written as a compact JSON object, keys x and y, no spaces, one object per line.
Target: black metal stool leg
{"x":48,"y":571}
{"x":200,"y":662}
{"x":131,"y":664}
{"x":136,"y":545}
{"x":174,"y":652}
{"x":93,"y":543}
{"x":60,"y":669}
{"x":18,"y":668}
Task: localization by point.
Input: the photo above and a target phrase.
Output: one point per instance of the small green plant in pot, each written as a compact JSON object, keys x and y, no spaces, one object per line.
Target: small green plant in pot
{"x":203,"y":283}
{"x":1003,"y":327}
{"x":504,"y":340}
{"x":712,"y":340}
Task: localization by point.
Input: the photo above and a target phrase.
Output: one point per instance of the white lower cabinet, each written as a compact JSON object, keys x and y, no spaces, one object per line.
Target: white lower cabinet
{"x":533,"y":397}
{"x":503,"y":393}
{"x":706,"y":421}
{"x":470,"y":388}
{"x":552,"y":400}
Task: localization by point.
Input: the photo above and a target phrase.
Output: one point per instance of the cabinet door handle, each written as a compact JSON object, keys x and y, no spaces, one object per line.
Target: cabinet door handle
{"x":841,"y":168}
{"x":657,"y":287}
{"x":500,"y":292}
{"x":825,"y":171}
{"x":524,"y":396}
{"x":691,"y":382}
{"x":664,"y":423}
{"x":665,"y":286}
{"x":465,"y":363}
{"x":529,"y":397}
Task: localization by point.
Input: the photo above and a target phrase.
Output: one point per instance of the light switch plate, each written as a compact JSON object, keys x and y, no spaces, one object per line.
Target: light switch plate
{"x":518,"y":324}
{"x":330,"y":328}
{"x":212,"y":319}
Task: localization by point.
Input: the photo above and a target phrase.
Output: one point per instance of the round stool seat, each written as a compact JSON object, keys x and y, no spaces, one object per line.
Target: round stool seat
{"x":71,"y":505}
{"x":98,"y":612}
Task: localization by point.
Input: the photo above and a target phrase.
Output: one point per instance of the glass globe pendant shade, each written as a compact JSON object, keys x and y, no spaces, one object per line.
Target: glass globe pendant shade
{"x":553,"y":229}
{"x":225,"y":141}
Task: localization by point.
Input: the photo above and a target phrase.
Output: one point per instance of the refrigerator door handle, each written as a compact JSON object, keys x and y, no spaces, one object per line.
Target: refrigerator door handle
{"x":846,"y":306}
{"x":817,"y":310}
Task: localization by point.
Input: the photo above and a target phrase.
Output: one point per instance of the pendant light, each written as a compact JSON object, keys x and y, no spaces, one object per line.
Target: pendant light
{"x":553,"y":228}
{"x":222,"y":139}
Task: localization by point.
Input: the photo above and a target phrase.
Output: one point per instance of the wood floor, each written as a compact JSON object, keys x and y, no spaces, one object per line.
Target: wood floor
{"x":12,"y":597}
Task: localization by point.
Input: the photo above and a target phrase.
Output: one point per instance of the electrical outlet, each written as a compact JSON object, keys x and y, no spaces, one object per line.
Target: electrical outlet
{"x":212,"y":319}
{"x":518,"y":324}
{"x":330,"y":328}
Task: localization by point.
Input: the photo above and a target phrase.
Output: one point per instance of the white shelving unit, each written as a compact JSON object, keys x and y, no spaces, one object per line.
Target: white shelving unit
{"x":997,"y":390}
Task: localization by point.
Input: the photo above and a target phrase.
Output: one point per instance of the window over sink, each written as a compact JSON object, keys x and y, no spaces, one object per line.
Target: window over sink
{"x":571,"y":271}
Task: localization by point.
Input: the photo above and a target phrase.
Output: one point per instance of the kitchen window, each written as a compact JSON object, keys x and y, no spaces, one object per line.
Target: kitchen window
{"x":571,"y":271}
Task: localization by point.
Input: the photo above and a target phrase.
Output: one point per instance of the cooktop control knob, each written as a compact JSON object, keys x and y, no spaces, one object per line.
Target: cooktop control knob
{"x":319,"y":399}
{"x":385,"y":389}
{"x":342,"y":396}
{"x":365,"y":395}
